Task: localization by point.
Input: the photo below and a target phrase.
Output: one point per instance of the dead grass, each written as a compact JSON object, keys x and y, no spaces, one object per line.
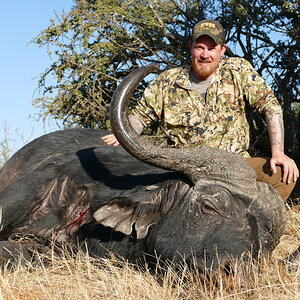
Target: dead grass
{"x":82,"y":277}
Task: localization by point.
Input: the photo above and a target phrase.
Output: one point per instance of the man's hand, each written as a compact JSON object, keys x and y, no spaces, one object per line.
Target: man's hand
{"x":276,"y":135}
{"x":290,"y":170}
{"x":110,"y":140}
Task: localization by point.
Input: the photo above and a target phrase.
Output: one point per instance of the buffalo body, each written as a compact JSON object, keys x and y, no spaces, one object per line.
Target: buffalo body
{"x":70,"y":187}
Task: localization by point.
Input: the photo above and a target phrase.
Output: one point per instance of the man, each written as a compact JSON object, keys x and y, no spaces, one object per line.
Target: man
{"x":206,"y":104}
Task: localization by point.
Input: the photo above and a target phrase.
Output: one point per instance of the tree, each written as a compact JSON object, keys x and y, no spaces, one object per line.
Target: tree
{"x":99,"y":41}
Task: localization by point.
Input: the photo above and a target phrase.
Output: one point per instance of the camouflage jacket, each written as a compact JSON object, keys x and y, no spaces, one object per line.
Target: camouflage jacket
{"x":219,"y":120}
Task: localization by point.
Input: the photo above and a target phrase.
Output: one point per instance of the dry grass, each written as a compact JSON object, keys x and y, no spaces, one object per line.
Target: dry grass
{"x":82,"y":277}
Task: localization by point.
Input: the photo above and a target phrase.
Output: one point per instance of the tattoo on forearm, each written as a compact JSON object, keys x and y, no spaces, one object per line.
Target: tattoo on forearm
{"x":276,"y":130}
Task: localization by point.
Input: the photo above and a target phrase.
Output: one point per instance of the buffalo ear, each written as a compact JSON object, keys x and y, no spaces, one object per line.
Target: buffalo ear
{"x":147,"y":208}
{"x":120,"y":215}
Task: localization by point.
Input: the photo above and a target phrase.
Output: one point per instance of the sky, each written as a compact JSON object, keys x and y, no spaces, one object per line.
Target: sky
{"x":21,"y":64}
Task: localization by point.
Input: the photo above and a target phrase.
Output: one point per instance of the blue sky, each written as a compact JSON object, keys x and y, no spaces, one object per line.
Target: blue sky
{"x":21,"y":64}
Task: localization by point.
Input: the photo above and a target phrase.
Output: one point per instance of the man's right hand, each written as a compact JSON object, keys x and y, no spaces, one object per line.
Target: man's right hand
{"x":110,"y":140}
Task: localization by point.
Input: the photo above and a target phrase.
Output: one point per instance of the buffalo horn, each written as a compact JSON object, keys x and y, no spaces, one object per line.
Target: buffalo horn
{"x":196,"y":163}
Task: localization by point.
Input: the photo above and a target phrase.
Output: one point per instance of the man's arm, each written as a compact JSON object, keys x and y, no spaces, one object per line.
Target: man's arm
{"x":111,"y":140}
{"x":276,"y":135}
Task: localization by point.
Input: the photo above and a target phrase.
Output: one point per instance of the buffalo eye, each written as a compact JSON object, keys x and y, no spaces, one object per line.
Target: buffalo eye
{"x":208,"y":208}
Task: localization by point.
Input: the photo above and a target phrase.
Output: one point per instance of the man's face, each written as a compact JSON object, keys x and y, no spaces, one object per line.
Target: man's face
{"x":206,"y":55}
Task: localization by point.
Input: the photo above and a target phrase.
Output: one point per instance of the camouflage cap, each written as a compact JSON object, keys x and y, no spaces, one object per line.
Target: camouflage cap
{"x":211,"y":28}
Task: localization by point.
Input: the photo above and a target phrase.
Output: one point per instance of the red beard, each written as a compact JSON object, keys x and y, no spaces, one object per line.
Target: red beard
{"x":203,"y":71}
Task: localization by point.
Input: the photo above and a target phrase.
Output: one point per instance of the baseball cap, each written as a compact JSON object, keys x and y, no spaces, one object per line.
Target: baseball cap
{"x":211,"y":28}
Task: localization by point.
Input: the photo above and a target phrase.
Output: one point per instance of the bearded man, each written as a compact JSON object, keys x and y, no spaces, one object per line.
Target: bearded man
{"x":206,"y":104}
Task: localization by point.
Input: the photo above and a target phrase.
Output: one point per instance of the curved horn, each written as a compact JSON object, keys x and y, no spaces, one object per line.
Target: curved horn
{"x":195,"y":163}
{"x":120,"y":124}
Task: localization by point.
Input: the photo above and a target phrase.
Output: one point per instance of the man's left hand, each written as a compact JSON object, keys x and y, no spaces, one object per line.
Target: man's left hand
{"x":290,"y":169}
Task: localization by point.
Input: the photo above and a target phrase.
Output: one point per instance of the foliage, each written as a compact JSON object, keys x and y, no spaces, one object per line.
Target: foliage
{"x":99,"y":41}
{"x":97,"y":44}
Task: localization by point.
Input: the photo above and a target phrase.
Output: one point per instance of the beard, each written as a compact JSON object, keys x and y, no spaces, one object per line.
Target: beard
{"x":203,"y":71}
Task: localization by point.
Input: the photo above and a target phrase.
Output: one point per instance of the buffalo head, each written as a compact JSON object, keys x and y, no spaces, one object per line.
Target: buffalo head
{"x":224,"y":212}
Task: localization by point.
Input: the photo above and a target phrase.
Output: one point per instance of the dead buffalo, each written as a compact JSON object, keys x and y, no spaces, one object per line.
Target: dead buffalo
{"x":198,"y":204}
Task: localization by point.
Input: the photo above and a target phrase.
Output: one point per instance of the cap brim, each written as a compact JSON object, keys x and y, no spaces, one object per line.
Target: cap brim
{"x":215,"y":39}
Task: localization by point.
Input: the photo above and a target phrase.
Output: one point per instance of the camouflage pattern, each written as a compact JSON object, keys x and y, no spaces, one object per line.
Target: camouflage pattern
{"x":211,"y":28}
{"x":219,"y":121}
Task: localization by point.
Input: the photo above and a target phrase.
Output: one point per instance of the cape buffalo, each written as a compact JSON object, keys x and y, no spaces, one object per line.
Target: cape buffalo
{"x":199,"y":204}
